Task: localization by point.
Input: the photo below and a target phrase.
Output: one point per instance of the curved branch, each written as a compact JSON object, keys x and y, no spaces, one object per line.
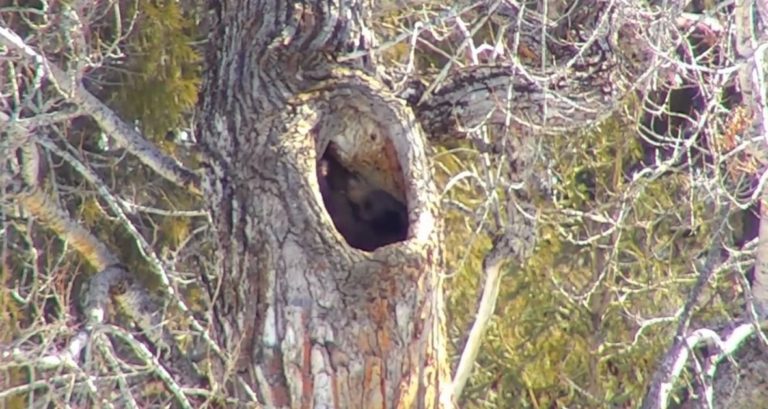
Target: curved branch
{"x":39,"y":205}
{"x":501,"y":95}
{"x":112,"y":284}
{"x":752,"y":44}
{"x":123,"y":133}
{"x":575,"y":73}
{"x":486,"y":306}
{"x":725,"y":348}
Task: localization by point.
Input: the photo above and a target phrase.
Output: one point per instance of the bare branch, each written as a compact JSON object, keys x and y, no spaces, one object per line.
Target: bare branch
{"x":75,"y":91}
{"x":495,"y":94}
{"x":38,"y":204}
{"x":752,"y":45}
{"x":486,"y":307}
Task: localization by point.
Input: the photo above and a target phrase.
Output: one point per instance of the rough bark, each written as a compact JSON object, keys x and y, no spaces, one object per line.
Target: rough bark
{"x":303,"y":317}
{"x":569,"y":75}
{"x":752,"y":20}
{"x":311,"y":321}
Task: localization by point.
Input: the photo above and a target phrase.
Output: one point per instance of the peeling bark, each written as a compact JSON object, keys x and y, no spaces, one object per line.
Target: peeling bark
{"x":301,"y":318}
{"x":312,"y":321}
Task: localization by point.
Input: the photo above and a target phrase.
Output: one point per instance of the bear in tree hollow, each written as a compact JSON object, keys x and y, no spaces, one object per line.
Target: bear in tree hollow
{"x":366,"y":216}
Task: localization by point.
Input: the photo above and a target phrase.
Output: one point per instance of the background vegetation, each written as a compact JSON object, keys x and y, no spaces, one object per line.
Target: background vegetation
{"x":624,"y":225}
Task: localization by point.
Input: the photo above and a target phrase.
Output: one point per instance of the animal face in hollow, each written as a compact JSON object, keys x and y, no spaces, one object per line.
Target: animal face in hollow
{"x":367,"y":217}
{"x":336,"y":202}
{"x":385,"y":214}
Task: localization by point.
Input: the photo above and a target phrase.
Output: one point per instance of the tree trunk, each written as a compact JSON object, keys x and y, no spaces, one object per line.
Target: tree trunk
{"x":312,"y":321}
{"x":326,"y":290}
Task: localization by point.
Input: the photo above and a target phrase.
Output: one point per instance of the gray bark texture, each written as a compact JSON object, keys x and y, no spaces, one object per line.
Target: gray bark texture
{"x":309,"y":320}
{"x":326,"y":285}
{"x":311,"y":316}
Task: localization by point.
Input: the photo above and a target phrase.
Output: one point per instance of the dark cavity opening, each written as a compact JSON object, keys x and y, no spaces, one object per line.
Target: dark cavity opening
{"x":367,"y":216}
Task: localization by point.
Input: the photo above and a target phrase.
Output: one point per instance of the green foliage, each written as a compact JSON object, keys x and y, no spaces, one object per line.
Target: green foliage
{"x":157,"y":89}
{"x":163,"y":74}
{"x":569,"y":326}
{"x":155,"y":86}
{"x":568,"y":330}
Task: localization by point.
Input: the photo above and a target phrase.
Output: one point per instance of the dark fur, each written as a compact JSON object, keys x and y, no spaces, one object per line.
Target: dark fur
{"x":366,"y":216}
